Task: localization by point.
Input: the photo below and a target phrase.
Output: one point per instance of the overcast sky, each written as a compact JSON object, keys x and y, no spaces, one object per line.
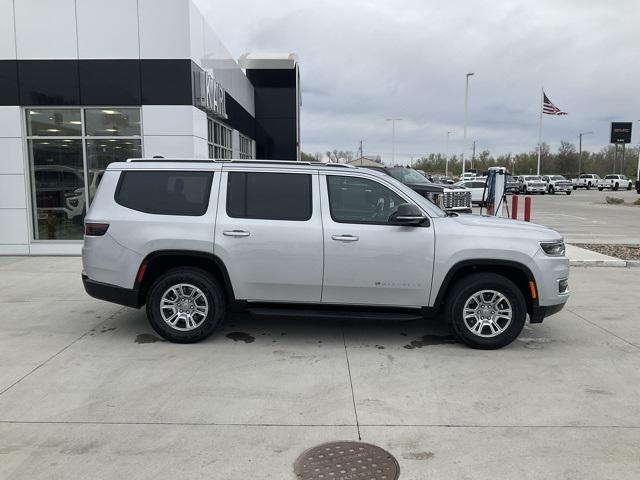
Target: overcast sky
{"x":362,"y":61}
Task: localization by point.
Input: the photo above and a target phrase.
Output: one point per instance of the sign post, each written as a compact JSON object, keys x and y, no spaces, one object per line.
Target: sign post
{"x":620,"y":134}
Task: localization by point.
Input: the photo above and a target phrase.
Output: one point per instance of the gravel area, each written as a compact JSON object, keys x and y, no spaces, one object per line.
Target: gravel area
{"x":624,"y":252}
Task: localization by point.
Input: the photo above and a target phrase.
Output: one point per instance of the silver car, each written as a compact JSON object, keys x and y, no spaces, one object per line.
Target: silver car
{"x":192,"y":240}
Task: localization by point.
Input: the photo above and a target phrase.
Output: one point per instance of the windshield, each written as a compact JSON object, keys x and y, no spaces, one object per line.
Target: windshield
{"x":407,"y":175}
{"x":557,"y":177}
{"x":530,"y":178}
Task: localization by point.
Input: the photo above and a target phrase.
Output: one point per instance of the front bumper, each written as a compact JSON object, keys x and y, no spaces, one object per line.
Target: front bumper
{"x":540,"y":312}
{"x":129,"y":297}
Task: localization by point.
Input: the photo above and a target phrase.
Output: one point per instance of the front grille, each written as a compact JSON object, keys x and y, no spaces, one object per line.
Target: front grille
{"x":456,"y":199}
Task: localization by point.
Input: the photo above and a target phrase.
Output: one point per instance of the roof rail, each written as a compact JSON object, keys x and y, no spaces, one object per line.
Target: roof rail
{"x":237,"y":160}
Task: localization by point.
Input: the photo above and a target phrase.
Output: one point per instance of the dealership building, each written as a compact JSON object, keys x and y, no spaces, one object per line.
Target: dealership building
{"x":86,"y":83}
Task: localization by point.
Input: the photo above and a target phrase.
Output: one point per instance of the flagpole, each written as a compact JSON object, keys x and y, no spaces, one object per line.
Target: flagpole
{"x":540,"y":129}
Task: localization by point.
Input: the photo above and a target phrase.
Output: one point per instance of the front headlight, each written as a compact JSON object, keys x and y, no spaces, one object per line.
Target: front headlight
{"x":553,"y":249}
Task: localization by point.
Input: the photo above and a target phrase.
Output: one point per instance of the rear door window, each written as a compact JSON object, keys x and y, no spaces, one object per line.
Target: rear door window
{"x":165,"y":192}
{"x":269,"y":196}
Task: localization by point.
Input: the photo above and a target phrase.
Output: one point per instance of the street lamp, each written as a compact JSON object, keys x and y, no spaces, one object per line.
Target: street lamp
{"x":446,"y":156}
{"x":580,"y":149}
{"x":466,"y":103}
{"x":393,"y":138}
{"x":638,"y":174}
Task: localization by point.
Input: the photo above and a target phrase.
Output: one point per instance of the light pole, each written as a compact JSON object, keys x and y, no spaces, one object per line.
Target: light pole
{"x":466,"y":112}
{"x":580,"y":150}
{"x":393,"y":139}
{"x":638,"y":174}
{"x":446,"y":156}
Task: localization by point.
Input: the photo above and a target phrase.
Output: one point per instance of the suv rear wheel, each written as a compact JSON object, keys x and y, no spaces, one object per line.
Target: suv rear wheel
{"x":185,"y":305}
{"x":486,"y":311}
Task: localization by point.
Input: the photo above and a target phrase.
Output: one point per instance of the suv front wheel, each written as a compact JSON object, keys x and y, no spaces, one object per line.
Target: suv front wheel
{"x":486,"y":311}
{"x":185,"y":305}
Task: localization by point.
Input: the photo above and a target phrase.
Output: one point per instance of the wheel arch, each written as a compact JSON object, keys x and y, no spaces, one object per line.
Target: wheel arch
{"x":517,"y":272}
{"x":158,"y":262}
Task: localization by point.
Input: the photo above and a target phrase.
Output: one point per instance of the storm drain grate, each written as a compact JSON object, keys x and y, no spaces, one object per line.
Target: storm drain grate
{"x":346,"y":461}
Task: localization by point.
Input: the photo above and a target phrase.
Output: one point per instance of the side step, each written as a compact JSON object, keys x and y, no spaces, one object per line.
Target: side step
{"x":391,"y":315}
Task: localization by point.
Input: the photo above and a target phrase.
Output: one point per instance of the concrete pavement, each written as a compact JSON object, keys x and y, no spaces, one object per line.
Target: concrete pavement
{"x":87,"y":390}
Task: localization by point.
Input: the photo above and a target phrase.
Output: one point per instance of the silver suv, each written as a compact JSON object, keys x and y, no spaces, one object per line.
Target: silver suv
{"x":193,"y":240}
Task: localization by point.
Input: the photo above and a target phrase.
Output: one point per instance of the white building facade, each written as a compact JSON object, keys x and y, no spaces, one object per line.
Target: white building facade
{"x":85,"y":83}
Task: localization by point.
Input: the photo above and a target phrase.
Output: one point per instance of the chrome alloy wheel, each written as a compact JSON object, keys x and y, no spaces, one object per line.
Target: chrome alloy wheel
{"x":184,"y":307}
{"x":487,"y":313}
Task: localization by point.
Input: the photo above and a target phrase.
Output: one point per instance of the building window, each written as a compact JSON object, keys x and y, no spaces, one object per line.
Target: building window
{"x":246,"y":148}
{"x":69,"y":149}
{"x":220,"y":140}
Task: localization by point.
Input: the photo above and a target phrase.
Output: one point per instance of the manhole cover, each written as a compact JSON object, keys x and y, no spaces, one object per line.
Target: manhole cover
{"x":346,"y":461}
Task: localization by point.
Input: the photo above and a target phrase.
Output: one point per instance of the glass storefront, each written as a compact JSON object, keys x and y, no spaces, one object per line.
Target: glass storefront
{"x":69,"y":149}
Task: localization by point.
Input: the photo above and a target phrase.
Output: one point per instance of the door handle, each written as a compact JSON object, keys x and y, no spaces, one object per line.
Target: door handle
{"x":235,"y":233}
{"x":345,"y":238}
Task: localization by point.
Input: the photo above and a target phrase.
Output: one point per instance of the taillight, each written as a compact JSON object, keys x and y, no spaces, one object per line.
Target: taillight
{"x":95,"y":229}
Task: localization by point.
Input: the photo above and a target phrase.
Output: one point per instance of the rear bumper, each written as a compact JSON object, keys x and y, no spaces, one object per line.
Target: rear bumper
{"x":129,"y":297}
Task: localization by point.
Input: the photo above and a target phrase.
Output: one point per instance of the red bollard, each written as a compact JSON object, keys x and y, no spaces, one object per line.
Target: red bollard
{"x":514,"y":207}
{"x":527,"y":209}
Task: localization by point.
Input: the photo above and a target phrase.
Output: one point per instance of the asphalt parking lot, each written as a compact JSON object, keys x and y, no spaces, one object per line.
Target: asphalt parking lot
{"x":585,"y":217}
{"x":88,"y":391}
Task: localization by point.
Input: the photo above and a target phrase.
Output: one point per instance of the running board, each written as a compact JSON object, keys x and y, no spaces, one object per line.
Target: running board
{"x":335,"y":314}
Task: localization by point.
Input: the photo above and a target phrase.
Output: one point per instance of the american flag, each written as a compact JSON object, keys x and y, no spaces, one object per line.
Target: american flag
{"x":549,"y":108}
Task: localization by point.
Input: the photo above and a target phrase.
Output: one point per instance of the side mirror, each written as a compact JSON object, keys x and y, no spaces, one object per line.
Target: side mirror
{"x":408,"y":214}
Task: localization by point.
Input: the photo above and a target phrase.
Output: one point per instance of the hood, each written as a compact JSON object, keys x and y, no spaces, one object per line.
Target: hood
{"x":425,"y":187}
{"x":505,"y":227}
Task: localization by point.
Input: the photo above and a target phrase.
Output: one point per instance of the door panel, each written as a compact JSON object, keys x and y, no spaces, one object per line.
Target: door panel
{"x":270,"y":259}
{"x":367,"y":260}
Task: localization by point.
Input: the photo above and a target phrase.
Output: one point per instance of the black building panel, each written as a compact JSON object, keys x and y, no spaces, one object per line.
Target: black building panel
{"x":9,"y":83}
{"x":49,"y":82}
{"x":166,"y":82}
{"x":110,"y":82}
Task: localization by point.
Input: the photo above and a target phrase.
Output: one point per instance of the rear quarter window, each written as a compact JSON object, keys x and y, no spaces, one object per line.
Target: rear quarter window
{"x":165,"y":192}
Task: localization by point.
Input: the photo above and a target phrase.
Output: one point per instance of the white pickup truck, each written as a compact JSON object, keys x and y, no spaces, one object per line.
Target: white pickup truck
{"x":586,"y":180}
{"x":615,"y":182}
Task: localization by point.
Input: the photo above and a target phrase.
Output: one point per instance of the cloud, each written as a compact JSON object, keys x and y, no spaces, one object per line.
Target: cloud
{"x":362,"y":61}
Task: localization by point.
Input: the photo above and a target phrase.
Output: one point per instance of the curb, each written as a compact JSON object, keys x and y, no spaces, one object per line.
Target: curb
{"x":604,"y":263}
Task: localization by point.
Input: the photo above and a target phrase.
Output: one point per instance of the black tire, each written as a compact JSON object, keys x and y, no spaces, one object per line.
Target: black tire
{"x":568,"y":192}
{"x":629,"y":186}
{"x":208,"y":286}
{"x":575,"y":188}
{"x":616,"y":187}
{"x":600,"y":189}
{"x":589,"y":186}
{"x":552,"y":191}
{"x":468,"y":286}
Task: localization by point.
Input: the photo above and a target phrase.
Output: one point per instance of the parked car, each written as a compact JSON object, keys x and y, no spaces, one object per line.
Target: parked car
{"x":511,"y":185}
{"x":586,"y":180}
{"x":468,"y":176}
{"x":615,"y":182}
{"x":442,"y":179}
{"x":477,"y":187}
{"x":557,"y":183}
{"x":447,"y":198}
{"x":532,"y":184}
{"x":305,"y":239}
